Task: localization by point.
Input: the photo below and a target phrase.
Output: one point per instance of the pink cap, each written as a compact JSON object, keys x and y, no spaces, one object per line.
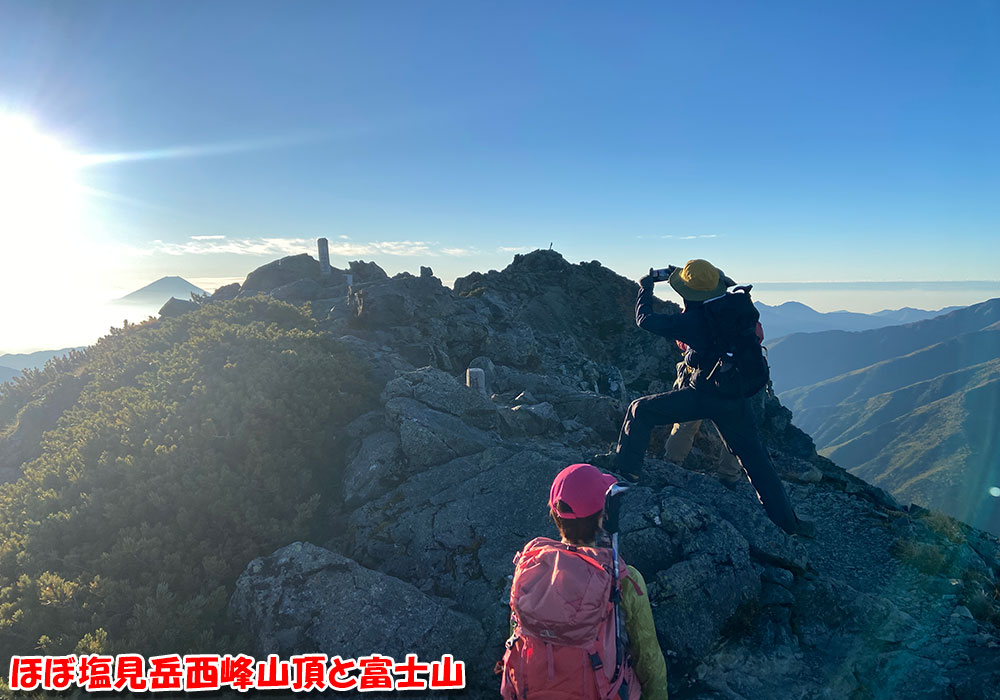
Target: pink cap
{"x":582,"y":487}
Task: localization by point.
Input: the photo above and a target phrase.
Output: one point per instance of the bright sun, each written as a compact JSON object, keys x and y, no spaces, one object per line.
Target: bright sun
{"x":39,"y":192}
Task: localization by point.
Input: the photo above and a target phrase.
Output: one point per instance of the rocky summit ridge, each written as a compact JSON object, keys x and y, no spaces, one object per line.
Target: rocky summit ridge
{"x":441,"y":485}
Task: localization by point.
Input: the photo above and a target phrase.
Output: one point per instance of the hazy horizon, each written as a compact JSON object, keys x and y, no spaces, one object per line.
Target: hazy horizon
{"x":82,"y":329}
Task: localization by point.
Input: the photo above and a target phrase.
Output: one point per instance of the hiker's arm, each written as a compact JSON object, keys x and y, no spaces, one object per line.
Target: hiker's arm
{"x":650,"y":667}
{"x":661,"y":324}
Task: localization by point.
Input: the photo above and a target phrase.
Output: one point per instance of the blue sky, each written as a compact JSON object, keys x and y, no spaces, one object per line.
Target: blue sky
{"x":785,"y":141}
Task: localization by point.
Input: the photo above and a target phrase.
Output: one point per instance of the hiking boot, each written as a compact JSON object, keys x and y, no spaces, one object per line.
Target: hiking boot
{"x":608,"y":462}
{"x":605,"y":461}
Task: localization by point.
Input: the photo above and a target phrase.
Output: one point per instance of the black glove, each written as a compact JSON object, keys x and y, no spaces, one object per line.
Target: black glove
{"x":647,"y":280}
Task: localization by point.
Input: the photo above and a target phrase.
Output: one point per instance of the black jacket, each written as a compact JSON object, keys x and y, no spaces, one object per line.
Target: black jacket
{"x":689,"y":327}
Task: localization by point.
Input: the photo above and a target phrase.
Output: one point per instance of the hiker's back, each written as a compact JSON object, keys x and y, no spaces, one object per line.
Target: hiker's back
{"x":738,"y":366}
{"x":564,"y":645}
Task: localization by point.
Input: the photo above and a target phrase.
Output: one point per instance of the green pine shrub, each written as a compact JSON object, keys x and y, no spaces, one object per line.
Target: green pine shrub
{"x":196,"y":445}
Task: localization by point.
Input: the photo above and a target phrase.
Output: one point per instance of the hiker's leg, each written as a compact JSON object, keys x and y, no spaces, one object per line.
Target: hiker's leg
{"x":645,"y":413}
{"x":727,"y":466}
{"x":735,"y":423}
{"x":680,"y":441}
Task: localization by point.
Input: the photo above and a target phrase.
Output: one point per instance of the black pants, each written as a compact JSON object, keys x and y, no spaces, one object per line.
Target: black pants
{"x":733,"y":418}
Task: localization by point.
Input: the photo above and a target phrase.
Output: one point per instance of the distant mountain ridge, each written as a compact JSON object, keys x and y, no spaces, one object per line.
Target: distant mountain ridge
{"x":24,"y":361}
{"x":958,"y":353}
{"x":161,"y":290}
{"x":8,"y":373}
{"x":920,"y":420}
{"x":803,"y":359}
{"x":796,"y":317}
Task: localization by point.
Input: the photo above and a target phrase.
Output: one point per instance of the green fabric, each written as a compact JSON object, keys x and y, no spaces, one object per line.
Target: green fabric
{"x":646,"y":655}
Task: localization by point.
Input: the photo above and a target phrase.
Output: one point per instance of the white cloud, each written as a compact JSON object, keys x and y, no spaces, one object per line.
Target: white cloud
{"x":216,"y":245}
{"x":382,"y":247}
{"x":235,"y":246}
{"x":514,"y":249}
{"x":690,"y":238}
{"x":402,"y":248}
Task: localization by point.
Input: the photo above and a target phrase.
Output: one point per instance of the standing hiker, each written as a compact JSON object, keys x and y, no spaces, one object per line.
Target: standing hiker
{"x":581,"y":623}
{"x":726,"y":366}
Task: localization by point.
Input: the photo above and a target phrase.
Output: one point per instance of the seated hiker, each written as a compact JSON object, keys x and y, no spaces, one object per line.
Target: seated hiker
{"x":581,"y":623}
{"x":726,"y":366}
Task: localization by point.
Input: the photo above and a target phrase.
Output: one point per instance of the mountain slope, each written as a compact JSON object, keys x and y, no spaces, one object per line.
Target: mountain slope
{"x":942,"y":454}
{"x":952,"y":355}
{"x":803,"y":359}
{"x":8,"y":373}
{"x":158,"y":292}
{"x":834,"y":424}
{"x":904,"y":423}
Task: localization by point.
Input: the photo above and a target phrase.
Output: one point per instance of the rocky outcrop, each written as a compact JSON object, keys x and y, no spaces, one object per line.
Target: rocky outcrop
{"x":280,"y":273}
{"x":305,"y":599}
{"x":176,"y":307}
{"x":441,"y":486}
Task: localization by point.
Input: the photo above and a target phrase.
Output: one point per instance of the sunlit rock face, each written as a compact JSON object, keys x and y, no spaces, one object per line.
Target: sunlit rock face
{"x":442,"y":486}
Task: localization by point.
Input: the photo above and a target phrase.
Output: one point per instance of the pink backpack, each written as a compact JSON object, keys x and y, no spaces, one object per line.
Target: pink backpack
{"x":564,"y":643}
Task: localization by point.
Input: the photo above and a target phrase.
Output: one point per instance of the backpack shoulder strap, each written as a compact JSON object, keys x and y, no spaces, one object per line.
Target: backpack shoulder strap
{"x":635,"y":586}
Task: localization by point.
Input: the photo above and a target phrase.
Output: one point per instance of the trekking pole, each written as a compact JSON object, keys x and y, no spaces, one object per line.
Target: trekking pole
{"x":612,"y":509}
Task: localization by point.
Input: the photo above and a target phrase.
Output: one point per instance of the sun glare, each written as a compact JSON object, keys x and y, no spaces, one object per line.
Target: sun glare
{"x":39,"y":193}
{"x":47,"y":252}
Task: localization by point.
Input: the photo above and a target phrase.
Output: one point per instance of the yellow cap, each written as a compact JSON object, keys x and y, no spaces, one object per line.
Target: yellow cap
{"x":699,"y":280}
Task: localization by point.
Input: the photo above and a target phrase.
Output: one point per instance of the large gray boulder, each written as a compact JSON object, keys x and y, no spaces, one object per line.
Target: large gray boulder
{"x":280,"y":273}
{"x":697,"y":565}
{"x":532,"y":419}
{"x":431,"y":437}
{"x":298,"y":291}
{"x":443,"y":392}
{"x":306,"y":599}
{"x":378,"y":466}
{"x":454,"y":528}
{"x":404,"y":300}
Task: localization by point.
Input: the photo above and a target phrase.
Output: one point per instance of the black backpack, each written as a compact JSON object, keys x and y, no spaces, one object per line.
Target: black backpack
{"x":736,"y":366}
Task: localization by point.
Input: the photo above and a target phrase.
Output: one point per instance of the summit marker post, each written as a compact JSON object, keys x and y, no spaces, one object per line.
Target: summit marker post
{"x":324,"y":257}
